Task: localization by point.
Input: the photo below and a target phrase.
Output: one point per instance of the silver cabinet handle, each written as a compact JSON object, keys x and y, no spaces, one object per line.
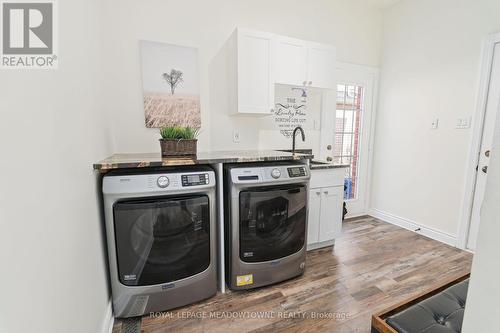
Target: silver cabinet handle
{"x":318,"y":192}
{"x":326,"y":192}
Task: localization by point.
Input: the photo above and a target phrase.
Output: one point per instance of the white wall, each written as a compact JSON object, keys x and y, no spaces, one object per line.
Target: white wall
{"x":484,"y":290}
{"x":53,"y":126}
{"x":430,"y":68}
{"x":352,"y":26}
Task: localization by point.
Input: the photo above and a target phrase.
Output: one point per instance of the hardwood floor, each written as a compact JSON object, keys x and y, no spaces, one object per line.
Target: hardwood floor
{"x":372,"y":266}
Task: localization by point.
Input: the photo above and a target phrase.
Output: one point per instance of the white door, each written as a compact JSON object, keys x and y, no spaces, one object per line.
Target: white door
{"x":331,"y":213}
{"x":353,"y":128}
{"x":255,"y":79}
{"x":291,"y":61}
{"x":313,"y":215}
{"x":321,"y":66}
{"x":492,"y":109}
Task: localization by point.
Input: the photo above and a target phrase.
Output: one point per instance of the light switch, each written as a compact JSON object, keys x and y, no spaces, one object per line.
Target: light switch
{"x":317,"y":125}
{"x":463,"y":123}
{"x":435,"y":123}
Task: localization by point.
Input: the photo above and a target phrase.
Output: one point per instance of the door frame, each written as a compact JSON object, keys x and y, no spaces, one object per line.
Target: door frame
{"x":475,"y":147}
{"x":371,"y":82}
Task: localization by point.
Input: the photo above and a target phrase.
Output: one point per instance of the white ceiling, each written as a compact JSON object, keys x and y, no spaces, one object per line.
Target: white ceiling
{"x":382,"y":3}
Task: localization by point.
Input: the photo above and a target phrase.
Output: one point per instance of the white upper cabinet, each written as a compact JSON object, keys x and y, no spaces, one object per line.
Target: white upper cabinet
{"x":255,"y":82}
{"x":251,"y":62}
{"x":291,"y":61}
{"x":304,"y":63}
{"x":321,"y":66}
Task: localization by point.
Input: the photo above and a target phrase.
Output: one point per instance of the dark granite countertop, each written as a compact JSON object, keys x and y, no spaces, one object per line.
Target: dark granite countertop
{"x":320,"y":165}
{"x":142,"y":160}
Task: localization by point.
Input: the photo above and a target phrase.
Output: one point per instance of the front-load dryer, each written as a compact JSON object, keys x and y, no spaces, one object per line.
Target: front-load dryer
{"x":265,"y":223}
{"x":160,"y":228}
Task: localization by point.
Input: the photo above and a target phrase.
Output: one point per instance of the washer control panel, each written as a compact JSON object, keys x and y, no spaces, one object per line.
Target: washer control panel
{"x":294,"y":172}
{"x":195,"y":179}
{"x":276,"y":173}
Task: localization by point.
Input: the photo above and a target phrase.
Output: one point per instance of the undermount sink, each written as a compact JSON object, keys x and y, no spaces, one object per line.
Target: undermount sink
{"x":307,"y":151}
{"x":300,"y":151}
{"x":318,"y":162}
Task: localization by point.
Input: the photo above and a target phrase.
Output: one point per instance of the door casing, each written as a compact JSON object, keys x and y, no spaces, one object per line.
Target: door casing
{"x":367,"y":77}
{"x":475,"y":147}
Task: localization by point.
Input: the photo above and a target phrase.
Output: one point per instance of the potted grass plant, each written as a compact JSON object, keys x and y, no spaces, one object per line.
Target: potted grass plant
{"x":178,"y":141}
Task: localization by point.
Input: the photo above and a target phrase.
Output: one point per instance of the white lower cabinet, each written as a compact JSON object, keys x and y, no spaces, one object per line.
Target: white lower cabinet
{"x":314,"y":216}
{"x":330,"y":220}
{"x":326,"y":198}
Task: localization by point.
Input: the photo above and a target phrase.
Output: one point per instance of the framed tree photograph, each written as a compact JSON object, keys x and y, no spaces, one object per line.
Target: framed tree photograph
{"x":170,"y":82}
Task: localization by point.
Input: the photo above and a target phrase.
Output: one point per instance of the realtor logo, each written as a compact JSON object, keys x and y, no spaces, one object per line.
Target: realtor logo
{"x":28,"y":31}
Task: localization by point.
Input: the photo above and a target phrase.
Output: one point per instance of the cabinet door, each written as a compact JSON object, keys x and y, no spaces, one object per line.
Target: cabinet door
{"x":330,"y":225}
{"x":321,"y":66}
{"x":291,"y":61}
{"x":313,"y":216}
{"x":255,"y":81}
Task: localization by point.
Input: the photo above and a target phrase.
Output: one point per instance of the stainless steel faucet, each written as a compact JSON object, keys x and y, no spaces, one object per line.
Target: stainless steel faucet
{"x":298,"y":128}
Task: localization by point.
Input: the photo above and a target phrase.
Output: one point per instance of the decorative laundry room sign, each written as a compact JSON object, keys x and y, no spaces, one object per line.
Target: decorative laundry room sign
{"x":290,"y":109}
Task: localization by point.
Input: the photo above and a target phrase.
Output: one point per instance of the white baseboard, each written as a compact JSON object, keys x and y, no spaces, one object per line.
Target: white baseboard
{"x":438,"y":235}
{"x":107,"y":324}
{"x":348,"y":216}
{"x":316,"y":246}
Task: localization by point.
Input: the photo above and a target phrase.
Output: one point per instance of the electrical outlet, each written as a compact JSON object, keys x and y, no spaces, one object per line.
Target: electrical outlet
{"x":435,"y":123}
{"x":236,"y":136}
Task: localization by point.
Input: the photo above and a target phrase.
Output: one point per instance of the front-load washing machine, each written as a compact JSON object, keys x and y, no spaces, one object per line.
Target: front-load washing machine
{"x":265,"y":223}
{"x":160,"y":226}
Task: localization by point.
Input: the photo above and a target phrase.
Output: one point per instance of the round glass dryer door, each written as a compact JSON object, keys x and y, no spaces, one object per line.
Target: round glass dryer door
{"x":272,"y":222}
{"x":160,"y":240}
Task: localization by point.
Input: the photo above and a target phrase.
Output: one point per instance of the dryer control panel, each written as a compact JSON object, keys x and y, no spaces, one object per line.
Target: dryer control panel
{"x":195,"y":179}
{"x":159,"y":182}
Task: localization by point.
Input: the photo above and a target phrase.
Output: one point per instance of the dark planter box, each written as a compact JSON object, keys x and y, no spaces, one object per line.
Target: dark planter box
{"x":178,"y":148}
